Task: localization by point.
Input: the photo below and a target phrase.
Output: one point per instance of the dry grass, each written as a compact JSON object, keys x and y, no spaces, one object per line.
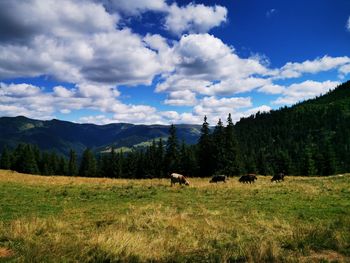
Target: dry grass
{"x":105,"y":220}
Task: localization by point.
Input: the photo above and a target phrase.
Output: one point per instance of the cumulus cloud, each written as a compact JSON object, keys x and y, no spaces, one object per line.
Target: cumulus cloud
{"x":135,"y":7}
{"x":326,"y":63}
{"x":272,"y":89}
{"x":35,"y":102}
{"x":344,"y":70}
{"x":304,"y":90}
{"x":215,"y":108}
{"x":191,"y":18}
{"x":74,"y":41}
{"x":181,"y":98}
{"x":194,"y":18}
{"x":22,"y":20}
{"x":204,"y":64}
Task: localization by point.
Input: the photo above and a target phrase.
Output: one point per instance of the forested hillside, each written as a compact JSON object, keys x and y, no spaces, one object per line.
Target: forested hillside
{"x":62,"y":136}
{"x":310,"y":138}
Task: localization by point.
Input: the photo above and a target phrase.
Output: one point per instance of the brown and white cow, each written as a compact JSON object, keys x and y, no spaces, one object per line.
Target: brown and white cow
{"x":178,"y":178}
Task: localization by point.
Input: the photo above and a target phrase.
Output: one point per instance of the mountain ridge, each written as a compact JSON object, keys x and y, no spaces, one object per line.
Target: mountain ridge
{"x":61,"y":136}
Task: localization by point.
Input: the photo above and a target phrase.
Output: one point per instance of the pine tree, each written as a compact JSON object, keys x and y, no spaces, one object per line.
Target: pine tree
{"x":172,"y":151}
{"x":233,"y":165}
{"x":113,"y":162}
{"x":62,"y":166}
{"x":308,"y":164}
{"x":30,"y":165}
{"x":18,"y":158}
{"x":88,"y":164}
{"x":160,"y":165}
{"x":205,"y":149}
{"x":72,"y":164}
{"x":6,"y":159}
{"x":45,"y":164}
{"x":219,"y":147}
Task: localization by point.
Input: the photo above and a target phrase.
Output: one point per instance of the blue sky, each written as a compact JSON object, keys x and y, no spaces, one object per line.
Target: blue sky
{"x":158,"y":61}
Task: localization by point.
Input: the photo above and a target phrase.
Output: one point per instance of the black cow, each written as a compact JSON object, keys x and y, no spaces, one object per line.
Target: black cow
{"x":248,"y":178}
{"x":218,"y":178}
{"x":278,"y":177}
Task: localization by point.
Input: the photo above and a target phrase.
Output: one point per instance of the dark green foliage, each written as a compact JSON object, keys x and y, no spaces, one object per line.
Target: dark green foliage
{"x":172,"y":151}
{"x":219,"y":154}
{"x":6,"y":159}
{"x":72,"y":164}
{"x":88,"y":164}
{"x":62,"y":136}
{"x":25,"y":160}
{"x":205,"y":151}
{"x":310,"y":138}
{"x":232,"y":165}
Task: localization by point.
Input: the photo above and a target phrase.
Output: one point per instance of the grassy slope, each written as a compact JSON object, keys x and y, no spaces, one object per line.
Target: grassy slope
{"x":62,"y":219}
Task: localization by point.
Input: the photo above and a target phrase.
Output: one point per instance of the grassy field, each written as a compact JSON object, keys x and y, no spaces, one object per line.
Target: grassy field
{"x":62,"y":219}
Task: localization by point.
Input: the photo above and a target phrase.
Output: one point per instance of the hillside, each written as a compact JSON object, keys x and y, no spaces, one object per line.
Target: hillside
{"x":312,"y":137}
{"x":61,"y":136}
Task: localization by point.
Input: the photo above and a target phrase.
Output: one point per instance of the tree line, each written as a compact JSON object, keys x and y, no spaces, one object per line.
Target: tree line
{"x":310,"y":138}
{"x":214,"y":152}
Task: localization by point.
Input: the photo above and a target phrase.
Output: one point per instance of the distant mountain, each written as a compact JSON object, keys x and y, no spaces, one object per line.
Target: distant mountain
{"x":311,"y":137}
{"x":61,"y":136}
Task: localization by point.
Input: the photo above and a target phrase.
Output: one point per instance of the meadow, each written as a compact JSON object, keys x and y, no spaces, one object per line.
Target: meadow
{"x":65,"y":219}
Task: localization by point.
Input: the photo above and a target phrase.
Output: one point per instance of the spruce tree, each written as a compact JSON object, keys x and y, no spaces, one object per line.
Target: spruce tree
{"x":88,"y":164}
{"x":30,"y":165}
{"x":233,"y":165}
{"x":172,"y":151}
{"x":45,"y":164}
{"x":308,"y":165}
{"x":72,"y":164}
{"x":5,"y":161}
{"x":219,"y":147}
{"x":62,"y":166}
{"x":160,"y":164}
{"x":205,"y":149}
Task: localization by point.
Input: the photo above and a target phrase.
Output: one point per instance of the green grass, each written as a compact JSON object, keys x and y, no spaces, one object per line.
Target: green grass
{"x":62,"y":219}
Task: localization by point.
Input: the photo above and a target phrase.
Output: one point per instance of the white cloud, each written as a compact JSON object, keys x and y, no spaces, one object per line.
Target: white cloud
{"x":63,"y":92}
{"x":344,"y":70}
{"x":272,"y":89}
{"x":64,"y":18}
{"x":65,"y":111}
{"x":73,"y":41}
{"x":305,"y":90}
{"x":18,"y":90}
{"x":194,"y":18}
{"x":181,"y":98}
{"x":215,"y":108}
{"x":204,"y":64}
{"x":136,"y":7}
{"x":326,"y":63}
{"x":348,"y":24}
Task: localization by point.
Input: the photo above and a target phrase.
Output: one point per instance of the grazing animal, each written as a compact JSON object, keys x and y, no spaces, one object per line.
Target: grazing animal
{"x":248,"y":178}
{"x":218,"y":178}
{"x":178,"y":178}
{"x":278,"y":177}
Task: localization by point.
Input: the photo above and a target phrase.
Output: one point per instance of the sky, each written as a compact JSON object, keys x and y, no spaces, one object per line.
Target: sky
{"x":163,"y":62}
